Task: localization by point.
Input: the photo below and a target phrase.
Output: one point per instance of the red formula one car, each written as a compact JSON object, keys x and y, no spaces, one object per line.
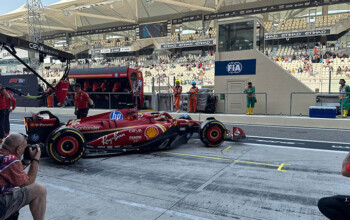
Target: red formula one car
{"x":121,"y":131}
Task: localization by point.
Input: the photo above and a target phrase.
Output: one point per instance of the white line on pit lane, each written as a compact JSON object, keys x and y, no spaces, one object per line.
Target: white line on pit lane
{"x":16,"y":125}
{"x":295,"y":148}
{"x":302,"y":140}
{"x":17,"y":119}
{"x":288,"y":127}
{"x":124,"y":202}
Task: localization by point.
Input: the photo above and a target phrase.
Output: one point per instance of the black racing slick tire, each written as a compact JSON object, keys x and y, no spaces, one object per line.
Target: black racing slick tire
{"x":66,"y":145}
{"x":212,"y":133}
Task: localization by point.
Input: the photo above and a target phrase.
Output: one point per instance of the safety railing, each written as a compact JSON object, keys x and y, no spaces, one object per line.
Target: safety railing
{"x":227,"y":94}
{"x":221,"y":104}
{"x":125,"y":98}
{"x":293,"y":94}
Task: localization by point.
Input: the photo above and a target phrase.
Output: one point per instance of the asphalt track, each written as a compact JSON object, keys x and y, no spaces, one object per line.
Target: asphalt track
{"x":266,"y":176}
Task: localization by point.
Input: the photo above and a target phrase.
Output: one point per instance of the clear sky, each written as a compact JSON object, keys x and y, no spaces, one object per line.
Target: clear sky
{"x":14,"y":4}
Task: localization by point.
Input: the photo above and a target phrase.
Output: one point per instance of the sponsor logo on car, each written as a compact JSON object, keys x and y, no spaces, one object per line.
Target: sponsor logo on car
{"x":35,"y":137}
{"x":116,"y":116}
{"x":41,"y":125}
{"x":74,"y":122}
{"x":135,"y":138}
{"x":151,"y":132}
{"x":135,"y":131}
{"x":110,"y":140}
{"x":237,"y":132}
{"x":88,"y":128}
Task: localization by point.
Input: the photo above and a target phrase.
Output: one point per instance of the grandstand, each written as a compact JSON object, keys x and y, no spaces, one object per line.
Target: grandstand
{"x":291,"y":38}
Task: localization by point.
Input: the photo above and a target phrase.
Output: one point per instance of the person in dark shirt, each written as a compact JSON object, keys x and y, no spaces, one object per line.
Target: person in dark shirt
{"x":81,"y":100}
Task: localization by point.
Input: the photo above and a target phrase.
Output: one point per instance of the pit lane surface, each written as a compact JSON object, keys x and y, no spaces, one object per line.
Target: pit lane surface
{"x":260,"y":178}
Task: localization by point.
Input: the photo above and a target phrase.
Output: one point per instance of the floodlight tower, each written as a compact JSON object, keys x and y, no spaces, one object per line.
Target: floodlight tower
{"x":34,"y":28}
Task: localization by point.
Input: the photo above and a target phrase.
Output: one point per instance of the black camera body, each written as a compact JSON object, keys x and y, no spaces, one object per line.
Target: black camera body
{"x":26,"y":154}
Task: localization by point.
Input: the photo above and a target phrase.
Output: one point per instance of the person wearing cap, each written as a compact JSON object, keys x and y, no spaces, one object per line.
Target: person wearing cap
{"x":177,"y":95}
{"x":193,"y":97}
{"x":9,"y":102}
{"x":81,"y":100}
{"x":3,"y":97}
{"x":344,"y":91}
{"x":250,"y":91}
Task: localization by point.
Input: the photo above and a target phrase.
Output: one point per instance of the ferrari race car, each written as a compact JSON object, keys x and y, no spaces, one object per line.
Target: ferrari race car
{"x":121,"y":131}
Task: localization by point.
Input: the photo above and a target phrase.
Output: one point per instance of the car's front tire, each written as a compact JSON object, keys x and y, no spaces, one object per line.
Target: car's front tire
{"x":66,"y":145}
{"x":212,"y":133}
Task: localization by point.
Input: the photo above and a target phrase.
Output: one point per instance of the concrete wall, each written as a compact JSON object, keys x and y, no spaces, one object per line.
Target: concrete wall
{"x":270,"y":78}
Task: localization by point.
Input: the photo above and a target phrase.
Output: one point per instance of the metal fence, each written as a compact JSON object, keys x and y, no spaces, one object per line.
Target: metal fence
{"x":293,"y":94}
{"x":165,"y":100}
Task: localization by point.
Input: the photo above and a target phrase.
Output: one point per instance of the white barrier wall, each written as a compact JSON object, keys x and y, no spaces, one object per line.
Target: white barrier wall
{"x":270,"y":78}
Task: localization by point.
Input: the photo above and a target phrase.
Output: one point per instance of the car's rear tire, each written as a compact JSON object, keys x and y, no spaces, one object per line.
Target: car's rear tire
{"x":212,"y":133}
{"x":66,"y":145}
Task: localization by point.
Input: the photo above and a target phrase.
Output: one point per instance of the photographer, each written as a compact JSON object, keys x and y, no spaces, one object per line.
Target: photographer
{"x":337,"y":207}
{"x":18,"y":188}
{"x":3,"y":97}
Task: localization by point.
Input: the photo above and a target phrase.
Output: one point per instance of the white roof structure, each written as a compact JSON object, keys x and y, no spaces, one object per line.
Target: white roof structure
{"x":79,"y":15}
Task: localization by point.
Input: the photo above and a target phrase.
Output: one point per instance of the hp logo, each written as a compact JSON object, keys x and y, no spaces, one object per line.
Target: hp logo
{"x":116,"y":116}
{"x":234,"y":67}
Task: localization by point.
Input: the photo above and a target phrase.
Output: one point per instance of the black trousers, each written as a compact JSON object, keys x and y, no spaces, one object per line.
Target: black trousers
{"x":82,"y":113}
{"x":7,"y":121}
{"x":335,"y":207}
{"x":2,"y":123}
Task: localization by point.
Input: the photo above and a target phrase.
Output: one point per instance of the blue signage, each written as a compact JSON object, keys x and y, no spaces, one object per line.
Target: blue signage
{"x":116,"y":116}
{"x":235,"y":67}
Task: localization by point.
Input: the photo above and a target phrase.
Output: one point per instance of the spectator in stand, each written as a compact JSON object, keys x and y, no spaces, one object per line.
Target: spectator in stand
{"x":9,"y":102}
{"x":193,"y":97}
{"x":177,"y":95}
{"x":338,"y":70}
{"x":81,"y":100}
{"x":3,"y":97}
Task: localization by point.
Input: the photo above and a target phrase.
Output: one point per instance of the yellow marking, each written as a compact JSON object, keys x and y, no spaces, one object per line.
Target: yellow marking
{"x":149,"y":110}
{"x":280,"y":167}
{"x":227,"y":148}
{"x":256,"y":163}
{"x":237,"y":161}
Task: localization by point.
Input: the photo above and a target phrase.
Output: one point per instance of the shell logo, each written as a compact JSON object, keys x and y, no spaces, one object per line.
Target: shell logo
{"x":151,"y":132}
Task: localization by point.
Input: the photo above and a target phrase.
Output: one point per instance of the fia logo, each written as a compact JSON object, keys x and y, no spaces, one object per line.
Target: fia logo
{"x":234,"y":67}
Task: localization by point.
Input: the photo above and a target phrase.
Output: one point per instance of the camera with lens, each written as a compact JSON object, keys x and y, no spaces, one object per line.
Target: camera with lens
{"x":26,"y":154}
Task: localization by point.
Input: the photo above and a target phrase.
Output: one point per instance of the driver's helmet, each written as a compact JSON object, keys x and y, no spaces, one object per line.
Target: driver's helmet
{"x":193,"y":83}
